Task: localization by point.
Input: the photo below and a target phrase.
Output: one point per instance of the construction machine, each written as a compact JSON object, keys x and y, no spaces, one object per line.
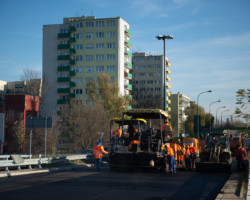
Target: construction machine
{"x":141,"y":140}
{"x":217,"y":155}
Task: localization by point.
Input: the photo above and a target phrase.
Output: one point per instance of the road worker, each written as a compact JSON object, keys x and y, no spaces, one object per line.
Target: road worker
{"x":117,"y":135}
{"x":241,"y":155}
{"x":179,"y":155}
{"x":166,"y":127}
{"x":133,"y":145}
{"x":98,"y":153}
{"x":171,"y":158}
{"x":193,"y":154}
{"x":187,"y":157}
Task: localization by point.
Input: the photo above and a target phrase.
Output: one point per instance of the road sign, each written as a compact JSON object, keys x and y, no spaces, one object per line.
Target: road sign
{"x":38,"y":122}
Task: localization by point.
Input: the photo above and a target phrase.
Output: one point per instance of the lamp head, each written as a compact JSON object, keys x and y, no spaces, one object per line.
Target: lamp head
{"x":159,"y":37}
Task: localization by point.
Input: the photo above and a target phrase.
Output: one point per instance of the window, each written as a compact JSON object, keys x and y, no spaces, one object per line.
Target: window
{"x":77,"y":69}
{"x":110,"y":68}
{"x":135,"y":59}
{"x":112,"y":79}
{"x":63,"y":75}
{"x":142,"y":59}
{"x":157,"y":58}
{"x":77,"y":91}
{"x":78,"y":58}
{"x":64,"y":53}
{"x":110,"y":45}
{"x":150,"y":81}
{"x":99,"y":24}
{"x":64,"y":64}
{"x":142,"y":74}
{"x":63,"y":42}
{"x":157,"y":81}
{"x":99,"y":57}
{"x":89,"y":47}
{"x":88,"y":102}
{"x":89,"y":69}
{"x":150,"y":58}
{"x":89,"y":24}
{"x":157,"y":89}
{"x":100,"y":46}
{"x":143,"y":89}
{"x":142,"y":67}
{"x":89,"y":58}
{"x":89,"y":79}
{"x":64,"y":31}
{"x":135,"y":75}
{"x":143,"y":82}
{"x":157,"y":74}
{"x":78,"y":36}
{"x":110,"y":56}
{"x":99,"y":68}
{"x":100,"y":35}
{"x":110,"y":34}
{"x":157,"y":66}
{"x":78,"y":25}
{"x":89,"y":35}
{"x":77,"y":80}
{"x":77,"y":46}
{"x":111,"y":23}
{"x":135,"y":67}
{"x":64,"y":86}
{"x":150,"y":74}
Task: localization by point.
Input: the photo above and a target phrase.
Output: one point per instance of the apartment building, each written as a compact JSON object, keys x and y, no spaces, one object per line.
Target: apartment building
{"x":77,"y":52}
{"x":179,"y":103}
{"x":148,"y":81}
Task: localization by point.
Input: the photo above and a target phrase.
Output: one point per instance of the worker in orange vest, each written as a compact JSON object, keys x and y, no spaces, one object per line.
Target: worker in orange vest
{"x":133,"y":144}
{"x":179,"y":155}
{"x":187,"y":157}
{"x":192,"y":154}
{"x":98,"y":153}
{"x":171,"y":158}
{"x":166,"y":125}
{"x":117,"y":135}
{"x":241,"y":155}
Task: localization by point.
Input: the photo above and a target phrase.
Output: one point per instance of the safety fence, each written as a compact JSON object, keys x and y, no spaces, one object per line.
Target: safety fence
{"x":18,"y":161}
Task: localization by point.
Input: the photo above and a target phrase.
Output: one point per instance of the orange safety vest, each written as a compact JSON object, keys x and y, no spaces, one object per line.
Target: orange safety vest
{"x":117,"y":133}
{"x":164,"y":126}
{"x":243,"y":153}
{"x":192,"y":149}
{"x":99,"y":151}
{"x":187,"y":153}
{"x":170,"y":151}
{"x":179,"y":150}
{"x":133,"y":142}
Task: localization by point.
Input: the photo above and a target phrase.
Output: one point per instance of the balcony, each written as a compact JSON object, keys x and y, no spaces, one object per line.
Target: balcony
{"x":63,"y":79}
{"x":127,"y":75}
{"x":129,"y":107}
{"x":63,"y":90}
{"x":168,"y":71}
{"x":128,"y":53}
{"x":63,"y":57}
{"x":72,"y":95}
{"x":128,"y":65}
{"x":72,"y":28}
{"x":72,"y":84}
{"x":169,"y":109}
{"x":66,"y":68}
{"x":72,"y":62}
{"x":128,"y":44}
{"x":72,"y":73}
{"x":128,"y":87}
{"x":63,"y":46}
{"x":62,"y":101}
{"x":128,"y":33}
{"x":63,"y":35}
{"x":72,"y":51}
{"x":130,"y":97}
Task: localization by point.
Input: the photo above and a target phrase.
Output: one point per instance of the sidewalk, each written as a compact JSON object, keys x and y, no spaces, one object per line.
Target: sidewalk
{"x":236,"y":185}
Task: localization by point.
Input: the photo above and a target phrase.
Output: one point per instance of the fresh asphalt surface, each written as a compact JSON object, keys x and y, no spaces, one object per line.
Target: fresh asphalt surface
{"x":86,"y":183}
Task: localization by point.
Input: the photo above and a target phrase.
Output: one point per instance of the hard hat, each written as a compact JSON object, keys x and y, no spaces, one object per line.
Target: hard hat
{"x":167,"y":121}
{"x":99,"y":143}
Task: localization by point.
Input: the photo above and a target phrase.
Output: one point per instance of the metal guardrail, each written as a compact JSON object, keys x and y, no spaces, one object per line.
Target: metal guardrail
{"x":6,"y":161}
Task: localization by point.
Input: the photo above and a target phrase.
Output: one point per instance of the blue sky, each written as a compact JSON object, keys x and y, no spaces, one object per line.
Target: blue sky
{"x":210,"y":49}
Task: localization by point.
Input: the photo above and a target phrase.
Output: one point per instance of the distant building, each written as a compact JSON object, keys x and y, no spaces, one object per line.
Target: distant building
{"x":148,"y":81}
{"x":179,"y":103}
{"x":77,"y":52}
{"x":16,"y":108}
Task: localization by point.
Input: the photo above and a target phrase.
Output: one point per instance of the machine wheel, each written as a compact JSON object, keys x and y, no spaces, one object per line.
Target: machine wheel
{"x":166,"y":167}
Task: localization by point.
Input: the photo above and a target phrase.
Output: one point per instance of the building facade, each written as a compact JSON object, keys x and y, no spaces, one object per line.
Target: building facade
{"x":179,"y":103}
{"x":148,"y":81}
{"x":77,"y":52}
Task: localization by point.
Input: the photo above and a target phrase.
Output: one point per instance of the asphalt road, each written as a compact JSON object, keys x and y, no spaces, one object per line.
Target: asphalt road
{"x":86,"y":183}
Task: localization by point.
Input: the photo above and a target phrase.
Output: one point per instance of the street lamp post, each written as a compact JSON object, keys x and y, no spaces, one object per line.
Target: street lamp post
{"x":210,"y":124}
{"x":221,"y":118}
{"x":197,"y":134}
{"x":216,"y":115}
{"x":164,"y":37}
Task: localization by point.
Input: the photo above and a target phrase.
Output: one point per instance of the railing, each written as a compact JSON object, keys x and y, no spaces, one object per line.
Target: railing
{"x":7,"y":161}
